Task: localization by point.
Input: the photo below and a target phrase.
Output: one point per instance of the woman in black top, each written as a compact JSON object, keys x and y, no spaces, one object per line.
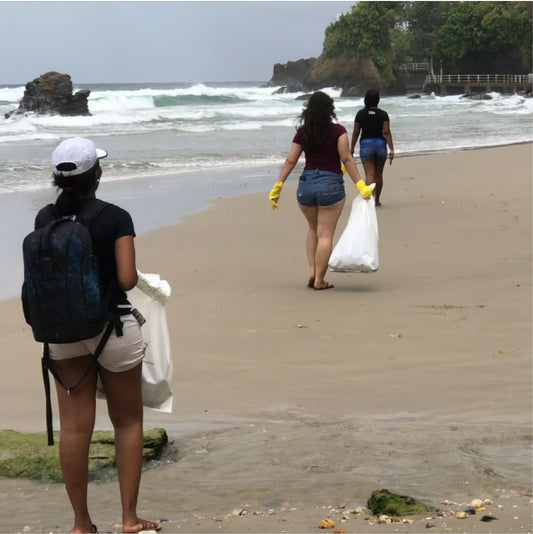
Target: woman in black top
{"x":373,"y":125}
{"x":77,"y":172}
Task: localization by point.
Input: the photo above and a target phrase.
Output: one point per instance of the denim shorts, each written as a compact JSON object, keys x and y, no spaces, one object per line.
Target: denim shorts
{"x":320,"y":188}
{"x":120,"y":353}
{"x":373,"y":148}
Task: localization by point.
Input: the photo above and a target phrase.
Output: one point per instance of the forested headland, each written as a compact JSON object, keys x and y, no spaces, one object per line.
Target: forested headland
{"x":372,"y":43}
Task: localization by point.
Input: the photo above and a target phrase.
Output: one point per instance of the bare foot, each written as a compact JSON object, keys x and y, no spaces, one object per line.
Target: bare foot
{"x":140,"y":526}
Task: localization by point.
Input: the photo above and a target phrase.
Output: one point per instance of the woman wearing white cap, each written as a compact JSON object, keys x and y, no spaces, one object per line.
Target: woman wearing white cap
{"x":76,"y":172}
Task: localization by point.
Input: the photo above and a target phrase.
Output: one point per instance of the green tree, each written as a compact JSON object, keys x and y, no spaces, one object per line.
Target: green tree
{"x":488,"y":37}
{"x":365,"y":32}
{"x":508,"y":34}
{"x":459,"y":36}
{"x":423,"y":21}
{"x":402,"y":46}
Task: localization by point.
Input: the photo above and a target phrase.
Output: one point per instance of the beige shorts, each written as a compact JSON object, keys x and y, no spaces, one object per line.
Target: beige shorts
{"x":120,"y":353}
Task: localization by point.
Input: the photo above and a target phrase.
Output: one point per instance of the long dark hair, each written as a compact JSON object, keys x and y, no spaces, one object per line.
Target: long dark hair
{"x":315,"y":121}
{"x":74,"y":188}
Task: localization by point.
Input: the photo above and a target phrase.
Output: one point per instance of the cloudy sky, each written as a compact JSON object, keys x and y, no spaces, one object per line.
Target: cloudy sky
{"x":159,"y":41}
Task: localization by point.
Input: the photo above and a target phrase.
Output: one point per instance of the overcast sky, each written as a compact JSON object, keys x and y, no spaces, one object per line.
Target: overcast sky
{"x":159,"y":41}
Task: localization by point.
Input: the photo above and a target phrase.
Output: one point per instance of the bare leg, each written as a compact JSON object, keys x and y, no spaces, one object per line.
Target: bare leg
{"x":311,"y":242}
{"x":379,"y":181}
{"x":124,"y":400}
{"x":325,"y":219}
{"x":369,"y":167}
{"x":328,"y":217}
{"x":77,"y":413}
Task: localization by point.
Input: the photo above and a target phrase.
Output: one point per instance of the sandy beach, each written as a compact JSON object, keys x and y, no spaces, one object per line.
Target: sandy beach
{"x":293,"y":405}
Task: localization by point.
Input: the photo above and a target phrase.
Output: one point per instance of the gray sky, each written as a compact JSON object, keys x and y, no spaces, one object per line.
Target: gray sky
{"x":159,"y":41}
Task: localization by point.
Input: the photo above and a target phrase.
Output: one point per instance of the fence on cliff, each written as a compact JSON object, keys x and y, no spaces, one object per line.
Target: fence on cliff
{"x":468,"y":83}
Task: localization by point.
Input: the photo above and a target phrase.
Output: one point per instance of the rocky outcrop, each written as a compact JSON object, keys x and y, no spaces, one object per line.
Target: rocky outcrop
{"x":291,"y":76}
{"x":51,"y":94}
{"x":353,"y":75}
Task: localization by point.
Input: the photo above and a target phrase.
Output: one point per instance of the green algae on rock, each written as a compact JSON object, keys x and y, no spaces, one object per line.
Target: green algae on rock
{"x":29,"y":456}
{"x":383,"y":502}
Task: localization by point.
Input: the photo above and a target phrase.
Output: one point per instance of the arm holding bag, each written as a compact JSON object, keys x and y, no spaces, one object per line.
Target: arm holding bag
{"x":149,"y":297}
{"x":357,"y":249}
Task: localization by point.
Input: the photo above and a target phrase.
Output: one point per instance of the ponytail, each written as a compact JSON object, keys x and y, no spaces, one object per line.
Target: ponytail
{"x":74,"y":188}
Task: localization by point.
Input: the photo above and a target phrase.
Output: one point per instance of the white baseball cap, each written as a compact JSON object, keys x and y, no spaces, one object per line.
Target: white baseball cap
{"x":75,"y":156}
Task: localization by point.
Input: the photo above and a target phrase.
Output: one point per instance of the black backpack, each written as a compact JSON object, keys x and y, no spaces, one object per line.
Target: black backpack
{"x":62,"y":297}
{"x":61,"y":294}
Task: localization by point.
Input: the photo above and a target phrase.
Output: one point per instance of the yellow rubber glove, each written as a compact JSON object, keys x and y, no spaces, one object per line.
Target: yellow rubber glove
{"x":274,"y":194}
{"x":343,"y":169}
{"x":364,"y":190}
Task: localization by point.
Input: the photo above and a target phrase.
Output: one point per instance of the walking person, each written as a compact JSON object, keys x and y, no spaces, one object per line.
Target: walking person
{"x":76,"y":174}
{"x":373,"y":125}
{"x":321,"y":194}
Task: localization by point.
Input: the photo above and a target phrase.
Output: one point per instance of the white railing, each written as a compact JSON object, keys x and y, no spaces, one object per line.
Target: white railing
{"x":463,"y":79}
{"x":415,"y":67}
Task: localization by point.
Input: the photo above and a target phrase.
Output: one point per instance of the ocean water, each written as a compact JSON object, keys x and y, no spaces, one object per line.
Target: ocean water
{"x":158,"y":129}
{"x":173,"y":148}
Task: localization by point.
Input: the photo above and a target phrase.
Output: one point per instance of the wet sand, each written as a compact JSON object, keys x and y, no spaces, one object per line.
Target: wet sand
{"x":293,"y":405}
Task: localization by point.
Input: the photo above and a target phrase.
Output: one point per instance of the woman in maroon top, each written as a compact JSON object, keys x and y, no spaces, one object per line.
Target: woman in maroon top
{"x":321,"y":193}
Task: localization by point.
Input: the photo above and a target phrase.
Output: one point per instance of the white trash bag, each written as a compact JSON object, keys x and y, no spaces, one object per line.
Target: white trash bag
{"x":149,"y":297}
{"x":357,"y":249}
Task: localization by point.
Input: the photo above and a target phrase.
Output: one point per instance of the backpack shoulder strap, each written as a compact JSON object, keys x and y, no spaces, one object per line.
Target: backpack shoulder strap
{"x":47,"y":214}
{"x":86,"y":216}
{"x":90,"y":211}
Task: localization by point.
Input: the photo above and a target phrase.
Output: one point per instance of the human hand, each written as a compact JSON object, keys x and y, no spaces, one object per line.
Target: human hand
{"x":364,"y":190}
{"x":391,"y":156}
{"x":274,"y":194}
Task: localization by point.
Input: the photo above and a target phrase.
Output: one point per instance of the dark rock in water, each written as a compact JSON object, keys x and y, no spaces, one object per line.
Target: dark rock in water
{"x":29,"y":456}
{"x":383,"y":502}
{"x":488,"y":518}
{"x":477,"y":96}
{"x":305,"y":97}
{"x":289,"y":88}
{"x":415,"y":96}
{"x":51,"y":94}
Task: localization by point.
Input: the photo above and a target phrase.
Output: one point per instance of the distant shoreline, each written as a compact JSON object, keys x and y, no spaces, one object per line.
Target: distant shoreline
{"x":230,"y":167}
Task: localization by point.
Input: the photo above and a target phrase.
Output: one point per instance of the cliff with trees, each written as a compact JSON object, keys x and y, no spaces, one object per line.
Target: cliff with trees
{"x":369,"y":45}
